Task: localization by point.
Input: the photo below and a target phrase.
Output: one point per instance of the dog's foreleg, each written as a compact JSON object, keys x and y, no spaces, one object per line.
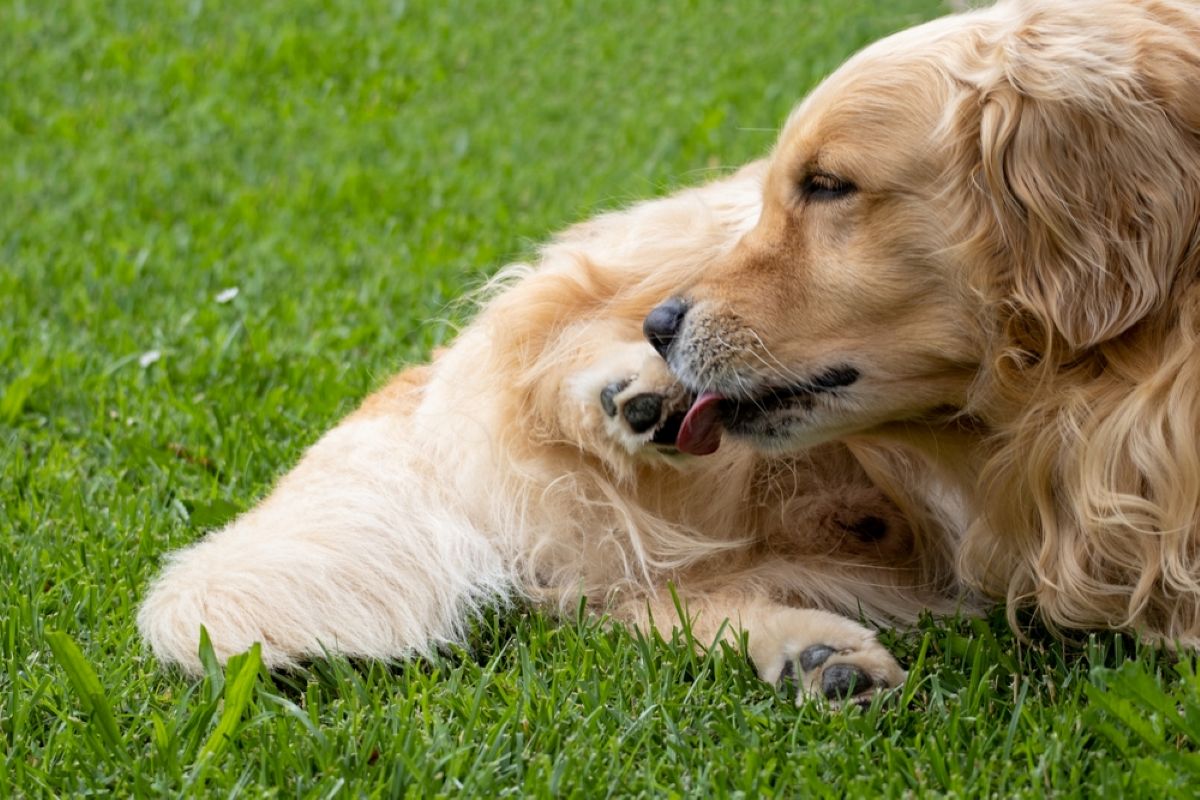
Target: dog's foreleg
{"x":823,"y":653}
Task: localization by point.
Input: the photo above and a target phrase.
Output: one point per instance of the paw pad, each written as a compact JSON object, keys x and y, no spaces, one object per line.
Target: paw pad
{"x":642,"y":411}
{"x":658,"y":412}
{"x":608,"y":396}
{"x":814,"y":657}
{"x":841,"y":681}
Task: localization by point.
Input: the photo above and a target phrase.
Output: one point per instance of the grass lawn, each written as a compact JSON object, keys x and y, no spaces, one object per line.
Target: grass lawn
{"x":349,"y":168}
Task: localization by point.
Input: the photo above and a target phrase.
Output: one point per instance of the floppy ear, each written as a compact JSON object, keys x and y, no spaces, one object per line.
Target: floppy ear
{"x":1089,"y":160}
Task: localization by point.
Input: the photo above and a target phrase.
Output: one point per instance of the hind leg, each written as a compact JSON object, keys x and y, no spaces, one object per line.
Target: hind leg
{"x":357,"y":551}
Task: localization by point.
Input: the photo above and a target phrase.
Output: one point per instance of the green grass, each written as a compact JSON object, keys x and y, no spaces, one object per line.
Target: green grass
{"x":352,"y":168}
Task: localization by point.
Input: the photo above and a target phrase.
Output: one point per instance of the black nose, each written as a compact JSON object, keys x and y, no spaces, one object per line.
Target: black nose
{"x":662,"y":325}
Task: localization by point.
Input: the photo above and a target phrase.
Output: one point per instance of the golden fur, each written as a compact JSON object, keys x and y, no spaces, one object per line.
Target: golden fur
{"x":986,"y":226}
{"x":993,"y":219}
{"x":496,"y":472}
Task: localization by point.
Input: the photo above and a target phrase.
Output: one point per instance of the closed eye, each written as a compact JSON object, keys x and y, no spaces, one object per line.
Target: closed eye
{"x":821,"y":186}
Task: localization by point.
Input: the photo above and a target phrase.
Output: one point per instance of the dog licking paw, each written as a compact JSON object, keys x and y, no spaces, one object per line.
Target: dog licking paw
{"x":640,"y":402}
{"x":638,"y":409}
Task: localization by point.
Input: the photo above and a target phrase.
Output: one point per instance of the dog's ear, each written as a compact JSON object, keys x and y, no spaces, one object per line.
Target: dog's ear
{"x":1090,"y":164}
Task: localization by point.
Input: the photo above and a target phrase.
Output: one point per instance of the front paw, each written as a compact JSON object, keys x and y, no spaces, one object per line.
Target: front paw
{"x":640,"y":401}
{"x":640,"y":413}
{"x":826,"y":656}
{"x":839,"y":676}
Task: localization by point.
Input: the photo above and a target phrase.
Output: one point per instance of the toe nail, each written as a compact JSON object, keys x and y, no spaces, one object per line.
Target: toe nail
{"x":642,"y":412}
{"x":788,"y":673}
{"x":842,"y":680}
{"x":815,"y":656}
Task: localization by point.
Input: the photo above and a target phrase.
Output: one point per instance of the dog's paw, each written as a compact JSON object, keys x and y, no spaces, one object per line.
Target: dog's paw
{"x":852,"y":675}
{"x":821,"y":655}
{"x":641,"y":401}
{"x":639,"y":412}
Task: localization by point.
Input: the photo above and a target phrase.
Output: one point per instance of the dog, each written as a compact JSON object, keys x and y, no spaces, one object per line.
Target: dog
{"x":534,"y":459}
{"x":979,"y":246}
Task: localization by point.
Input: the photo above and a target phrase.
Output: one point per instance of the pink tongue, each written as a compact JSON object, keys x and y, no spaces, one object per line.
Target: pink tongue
{"x":700,"y":431}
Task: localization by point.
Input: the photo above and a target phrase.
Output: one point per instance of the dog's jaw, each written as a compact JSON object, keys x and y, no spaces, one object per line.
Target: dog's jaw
{"x":770,"y":416}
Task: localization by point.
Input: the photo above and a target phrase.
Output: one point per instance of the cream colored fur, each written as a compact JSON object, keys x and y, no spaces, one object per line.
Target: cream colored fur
{"x":495,"y":474}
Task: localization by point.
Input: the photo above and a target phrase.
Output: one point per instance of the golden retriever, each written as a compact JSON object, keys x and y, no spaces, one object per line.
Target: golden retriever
{"x":535,"y":458}
{"x":979,"y":243}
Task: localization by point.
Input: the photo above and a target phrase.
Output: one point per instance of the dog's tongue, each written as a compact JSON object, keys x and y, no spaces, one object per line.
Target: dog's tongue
{"x":700,"y":431}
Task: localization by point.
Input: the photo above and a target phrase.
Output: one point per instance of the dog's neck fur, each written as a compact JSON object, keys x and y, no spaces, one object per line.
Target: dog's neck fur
{"x":951,"y":449}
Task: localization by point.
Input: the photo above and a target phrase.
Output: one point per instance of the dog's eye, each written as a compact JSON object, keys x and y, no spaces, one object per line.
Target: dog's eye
{"x":821,"y":186}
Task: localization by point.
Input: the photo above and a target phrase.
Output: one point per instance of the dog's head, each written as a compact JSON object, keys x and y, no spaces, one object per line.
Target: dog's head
{"x":991,"y":194}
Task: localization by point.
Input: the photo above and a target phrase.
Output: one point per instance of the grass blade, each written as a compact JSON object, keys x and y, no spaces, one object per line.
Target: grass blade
{"x":87,"y":687}
{"x":240,"y":676}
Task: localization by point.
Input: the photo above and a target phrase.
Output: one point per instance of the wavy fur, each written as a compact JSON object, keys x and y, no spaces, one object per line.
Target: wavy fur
{"x":1016,"y":277}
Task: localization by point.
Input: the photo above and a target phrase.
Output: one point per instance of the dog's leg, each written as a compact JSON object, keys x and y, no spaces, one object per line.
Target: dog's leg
{"x":361,"y":550}
{"x":824,"y":654}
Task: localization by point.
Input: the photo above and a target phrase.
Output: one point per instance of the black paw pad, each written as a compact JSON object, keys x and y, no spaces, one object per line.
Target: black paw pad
{"x":642,"y":412}
{"x":787,"y":674}
{"x":815,"y":656}
{"x":608,"y":396}
{"x":840,"y":681}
